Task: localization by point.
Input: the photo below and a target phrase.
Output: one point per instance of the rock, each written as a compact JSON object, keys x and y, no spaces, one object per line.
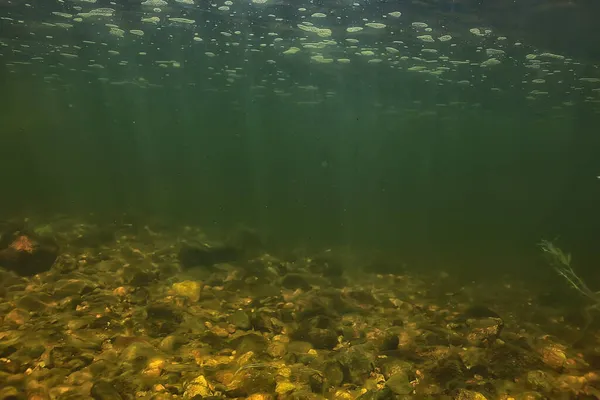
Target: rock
{"x":399,"y":383}
{"x":241,"y":320}
{"x":103,"y":390}
{"x":27,"y":255}
{"x":206,"y":255}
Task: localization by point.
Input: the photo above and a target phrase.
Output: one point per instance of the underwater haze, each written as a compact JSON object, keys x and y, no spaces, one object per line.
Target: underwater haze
{"x":448,"y":133}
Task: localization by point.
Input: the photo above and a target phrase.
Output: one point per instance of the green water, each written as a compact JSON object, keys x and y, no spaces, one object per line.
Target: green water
{"x":462,"y":156}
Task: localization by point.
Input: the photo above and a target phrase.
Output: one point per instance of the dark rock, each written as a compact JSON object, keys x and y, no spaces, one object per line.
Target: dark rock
{"x":206,"y":256}
{"x":103,"y":390}
{"x":240,"y":319}
{"x":27,"y":255}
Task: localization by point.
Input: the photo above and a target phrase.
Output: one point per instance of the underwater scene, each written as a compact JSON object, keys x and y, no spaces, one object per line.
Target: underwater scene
{"x":299,"y":199}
